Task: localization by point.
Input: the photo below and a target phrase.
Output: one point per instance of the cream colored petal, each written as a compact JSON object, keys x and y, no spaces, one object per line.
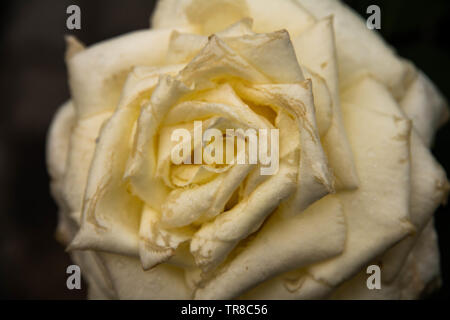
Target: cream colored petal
{"x":238,"y":29}
{"x":250,"y":57}
{"x":108,"y":207}
{"x":183,"y":47}
{"x":73,"y":46}
{"x":323,"y":103}
{"x":94,"y":293}
{"x":218,"y":61}
{"x":111,"y":215}
{"x":314,"y":177}
{"x":377,"y":213}
{"x":170,"y":14}
{"x":81,"y":152}
{"x":95,"y":274}
{"x":361,"y":50}
{"x":425,"y":106}
{"x":225,"y":94}
{"x":97,"y":74}
{"x":166,"y":170}
{"x":218,"y":102}
{"x":209,"y":16}
{"x":423,"y":265}
{"x":59,"y":139}
{"x":185,"y":175}
{"x":270,"y":53}
{"x":215,"y":240}
{"x":212,"y":243}
{"x":316,"y":50}
{"x":142,"y":164}
{"x":132,"y":283}
{"x":185,"y":206}
{"x":261,"y":258}
{"x":296,"y":285}
{"x":57,"y":152}
{"x":156,"y":243}
{"x":429,"y":188}
{"x":197,"y":110}
{"x":419,"y":275}
{"x":269,"y":16}
{"x":257,"y":50}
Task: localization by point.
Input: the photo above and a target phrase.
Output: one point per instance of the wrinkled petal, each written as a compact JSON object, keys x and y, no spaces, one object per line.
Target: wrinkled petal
{"x":429,"y":189}
{"x":361,"y":51}
{"x":131,"y":282}
{"x":314,"y":177}
{"x":419,"y":274}
{"x":377,"y":214}
{"x":425,"y":106}
{"x":316,"y":234}
{"x":97,"y":74}
{"x":316,"y":50}
{"x":209,"y":16}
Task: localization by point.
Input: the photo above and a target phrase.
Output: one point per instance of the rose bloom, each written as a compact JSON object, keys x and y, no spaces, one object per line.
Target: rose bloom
{"x":356,"y":185}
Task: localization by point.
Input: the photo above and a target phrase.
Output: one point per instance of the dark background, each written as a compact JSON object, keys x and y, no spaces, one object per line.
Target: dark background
{"x":33,"y":84}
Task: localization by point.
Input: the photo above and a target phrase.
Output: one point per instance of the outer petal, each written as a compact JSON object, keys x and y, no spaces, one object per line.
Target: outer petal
{"x":294,"y":285}
{"x":97,"y":74}
{"x":110,"y":219}
{"x":361,"y":50}
{"x":200,"y":16}
{"x":378,"y":212}
{"x":419,"y":275}
{"x":425,"y":106}
{"x":209,"y":16}
{"x":316,"y":51}
{"x":57,"y":154}
{"x":429,"y":188}
{"x":111,"y":214}
{"x":58,"y":140}
{"x":94,"y":270}
{"x":262,"y":259}
{"x":131,"y":282}
{"x":81,"y":151}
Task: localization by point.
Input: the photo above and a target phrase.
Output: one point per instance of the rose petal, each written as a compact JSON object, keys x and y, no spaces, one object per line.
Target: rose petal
{"x":131,"y":282}
{"x":378,"y":212}
{"x":429,"y":188}
{"x":110,"y":219}
{"x":156,"y":243}
{"x":209,"y":16}
{"x":361,"y":50}
{"x":259,"y":50}
{"x":425,"y":106}
{"x":97,"y":74}
{"x":316,"y":50}
{"x":317,"y":234}
{"x":81,"y":152}
{"x":315,"y":179}
{"x":419,"y":273}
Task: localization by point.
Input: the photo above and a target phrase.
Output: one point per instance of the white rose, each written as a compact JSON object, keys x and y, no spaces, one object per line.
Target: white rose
{"x":356,"y":183}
